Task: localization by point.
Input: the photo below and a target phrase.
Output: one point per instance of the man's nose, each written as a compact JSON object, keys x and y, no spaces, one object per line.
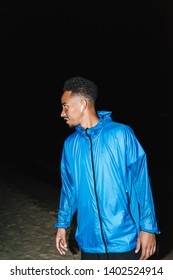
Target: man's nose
{"x":62,"y":114}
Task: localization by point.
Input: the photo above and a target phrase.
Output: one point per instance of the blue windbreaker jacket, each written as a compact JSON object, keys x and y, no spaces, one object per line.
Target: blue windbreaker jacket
{"x":105,"y":178}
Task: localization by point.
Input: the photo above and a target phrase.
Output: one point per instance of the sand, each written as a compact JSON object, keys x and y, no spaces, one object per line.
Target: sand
{"x":26,"y":228}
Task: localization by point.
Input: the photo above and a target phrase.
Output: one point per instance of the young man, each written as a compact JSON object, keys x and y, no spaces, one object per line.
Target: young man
{"x":105,"y":179}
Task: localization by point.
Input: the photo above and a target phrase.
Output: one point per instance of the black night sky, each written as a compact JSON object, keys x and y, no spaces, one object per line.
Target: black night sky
{"x":126,"y":47}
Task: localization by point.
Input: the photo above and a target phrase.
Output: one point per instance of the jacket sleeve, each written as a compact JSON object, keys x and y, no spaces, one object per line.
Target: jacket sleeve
{"x":139,"y":187}
{"x":67,"y":204}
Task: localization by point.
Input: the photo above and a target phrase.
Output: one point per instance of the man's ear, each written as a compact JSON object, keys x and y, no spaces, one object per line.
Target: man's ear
{"x":83,"y":105}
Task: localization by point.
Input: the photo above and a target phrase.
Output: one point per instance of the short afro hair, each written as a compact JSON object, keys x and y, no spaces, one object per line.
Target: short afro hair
{"x":81,"y":86}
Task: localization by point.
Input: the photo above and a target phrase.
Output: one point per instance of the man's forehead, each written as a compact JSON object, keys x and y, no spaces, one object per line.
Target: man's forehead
{"x":68,"y":96}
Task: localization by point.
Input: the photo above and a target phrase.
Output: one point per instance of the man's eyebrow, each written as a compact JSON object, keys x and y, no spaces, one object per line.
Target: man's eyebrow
{"x":64,"y":103}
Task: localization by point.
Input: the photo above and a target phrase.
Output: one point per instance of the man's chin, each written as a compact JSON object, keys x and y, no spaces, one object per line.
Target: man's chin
{"x":71,"y":126}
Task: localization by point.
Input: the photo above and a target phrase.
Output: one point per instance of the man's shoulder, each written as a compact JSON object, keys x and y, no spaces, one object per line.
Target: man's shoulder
{"x":71,"y":136}
{"x":118,"y":126}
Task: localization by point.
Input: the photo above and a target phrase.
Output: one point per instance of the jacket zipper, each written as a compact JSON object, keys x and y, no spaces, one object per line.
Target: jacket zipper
{"x":95,"y":190}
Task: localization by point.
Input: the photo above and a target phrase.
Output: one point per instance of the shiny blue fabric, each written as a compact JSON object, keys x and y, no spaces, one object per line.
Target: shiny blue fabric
{"x":122,"y":185}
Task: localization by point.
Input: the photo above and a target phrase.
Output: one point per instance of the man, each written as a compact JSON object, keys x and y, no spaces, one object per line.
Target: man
{"x":104,"y":180}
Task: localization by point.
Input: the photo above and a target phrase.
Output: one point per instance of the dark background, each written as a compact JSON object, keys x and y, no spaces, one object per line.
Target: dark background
{"x":125,"y":47}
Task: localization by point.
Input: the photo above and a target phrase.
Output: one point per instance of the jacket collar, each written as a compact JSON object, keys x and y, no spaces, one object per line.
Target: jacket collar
{"x":104,"y":117}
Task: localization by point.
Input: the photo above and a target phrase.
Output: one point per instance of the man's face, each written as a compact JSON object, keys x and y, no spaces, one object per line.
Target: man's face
{"x":71,"y":108}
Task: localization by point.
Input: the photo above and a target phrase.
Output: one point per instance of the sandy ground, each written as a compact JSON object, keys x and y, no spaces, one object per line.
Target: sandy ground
{"x":27,"y":219}
{"x":26,"y":223}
